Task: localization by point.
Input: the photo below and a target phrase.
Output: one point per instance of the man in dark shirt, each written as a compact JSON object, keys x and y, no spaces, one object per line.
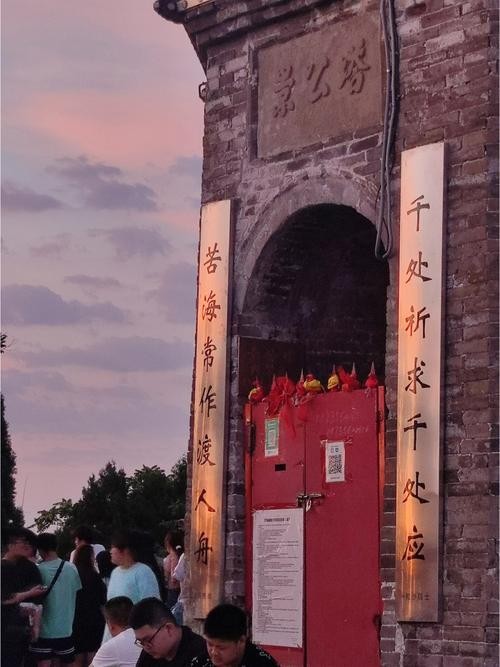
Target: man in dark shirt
{"x":20,"y":581}
{"x":19,"y":552}
{"x":225,"y":630}
{"x":164,"y":643}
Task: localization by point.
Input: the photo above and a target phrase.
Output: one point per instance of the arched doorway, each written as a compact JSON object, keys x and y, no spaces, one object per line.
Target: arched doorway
{"x":317,"y":297}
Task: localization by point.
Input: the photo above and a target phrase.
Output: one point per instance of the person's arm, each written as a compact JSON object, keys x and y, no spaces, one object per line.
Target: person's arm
{"x":180,"y":569}
{"x":25,"y":595}
{"x":166,"y":569}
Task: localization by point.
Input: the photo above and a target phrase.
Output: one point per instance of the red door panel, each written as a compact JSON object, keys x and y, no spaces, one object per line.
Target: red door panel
{"x":342,"y":534}
{"x":277,"y":479}
{"x":276,"y":482}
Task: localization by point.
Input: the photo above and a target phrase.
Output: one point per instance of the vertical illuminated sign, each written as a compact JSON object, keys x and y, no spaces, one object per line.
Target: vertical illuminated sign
{"x":420,"y":327}
{"x":206,"y":557}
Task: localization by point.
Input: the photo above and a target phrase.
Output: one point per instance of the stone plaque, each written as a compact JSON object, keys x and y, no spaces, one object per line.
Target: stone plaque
{"x":318,"y":86}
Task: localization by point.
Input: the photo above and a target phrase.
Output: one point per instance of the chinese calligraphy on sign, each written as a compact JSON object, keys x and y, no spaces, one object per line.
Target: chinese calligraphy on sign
{"x":332,"y":74}
{"x":206,"y":537}
{"x":355,"y":67}
{"x":419,"y":384}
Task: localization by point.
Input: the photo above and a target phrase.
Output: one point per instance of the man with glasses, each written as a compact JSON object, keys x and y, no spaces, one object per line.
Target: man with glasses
{"x":21,"y":584}
{"x":163,"y":642}
{"x":19,"y":554}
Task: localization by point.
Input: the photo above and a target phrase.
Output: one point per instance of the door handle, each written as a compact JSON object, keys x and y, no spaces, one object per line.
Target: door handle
{"x":315,"y":496}
{"x":308,"y":498}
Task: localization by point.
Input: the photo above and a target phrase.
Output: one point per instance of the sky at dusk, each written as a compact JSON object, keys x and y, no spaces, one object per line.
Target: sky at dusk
{"x":101,"y":169}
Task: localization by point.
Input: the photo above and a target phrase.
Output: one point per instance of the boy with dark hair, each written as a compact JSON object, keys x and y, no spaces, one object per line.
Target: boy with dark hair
{"x":84,"y":535}
{"x":121,"y":650}
{"x":225,"y":631}
{"x":164,"y":643}
{"x":62,"y":581}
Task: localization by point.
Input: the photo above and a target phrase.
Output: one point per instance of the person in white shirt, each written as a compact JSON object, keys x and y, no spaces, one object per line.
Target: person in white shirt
{"x":180,"y":573}
{"x":85,"y":535}
{"x":120,"y":650}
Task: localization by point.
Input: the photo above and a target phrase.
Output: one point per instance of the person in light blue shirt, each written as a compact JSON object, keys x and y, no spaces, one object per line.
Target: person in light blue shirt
{"x":55,"y":640}
{"x":130,"y":578}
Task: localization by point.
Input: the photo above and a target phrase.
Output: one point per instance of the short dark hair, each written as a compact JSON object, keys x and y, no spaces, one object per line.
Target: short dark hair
{"x":126,"y":539}
{"x":46,"y":542}
{"x":83,"y":560}
{"x":103,"y":560}
{"x":226,"y":621}
{"x":118,"y":609}
{"x":14,"y":534}
{"x":84,"y":533}
{"x":150,"y":611}
{"x":176,"y":540}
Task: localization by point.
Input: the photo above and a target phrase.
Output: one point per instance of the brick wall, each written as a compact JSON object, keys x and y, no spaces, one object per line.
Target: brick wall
{"x":449,"y":84}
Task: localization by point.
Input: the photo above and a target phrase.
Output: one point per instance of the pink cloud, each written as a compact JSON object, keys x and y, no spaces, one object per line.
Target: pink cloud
{"x":99,"y":123}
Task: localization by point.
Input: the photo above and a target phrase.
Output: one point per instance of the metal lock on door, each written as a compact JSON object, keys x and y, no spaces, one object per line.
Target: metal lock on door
{"x":308,"y":499}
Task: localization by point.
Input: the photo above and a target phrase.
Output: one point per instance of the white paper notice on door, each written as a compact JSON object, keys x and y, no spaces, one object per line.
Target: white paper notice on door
{"x":278,"y":577}
{"x":334,"y":461}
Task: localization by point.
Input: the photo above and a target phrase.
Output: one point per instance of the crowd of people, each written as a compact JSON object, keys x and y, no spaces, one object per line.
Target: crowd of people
{"x":110,"y":608}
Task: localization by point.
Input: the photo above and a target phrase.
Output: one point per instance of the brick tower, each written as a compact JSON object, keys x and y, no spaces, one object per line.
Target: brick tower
{"x":309,"y":107}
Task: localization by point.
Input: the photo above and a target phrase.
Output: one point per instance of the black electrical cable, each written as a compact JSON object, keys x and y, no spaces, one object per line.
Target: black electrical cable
{"x":388,"y":20}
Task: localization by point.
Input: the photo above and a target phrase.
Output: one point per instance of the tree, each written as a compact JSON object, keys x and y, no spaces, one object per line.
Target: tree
{"x":156,"y":499}
{"x":148,"y":500}
{"x":56,"y":517}
{"x":104,"y":501}
{"x":10,"y":514}
{"x":178,"y":480}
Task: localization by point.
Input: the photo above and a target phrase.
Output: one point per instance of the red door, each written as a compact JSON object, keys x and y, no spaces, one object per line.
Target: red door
{"x":275,"y":481}
{"x":330,"y":467}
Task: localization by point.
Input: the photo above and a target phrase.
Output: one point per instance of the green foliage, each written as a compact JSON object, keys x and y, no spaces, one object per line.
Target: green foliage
{"x":56,"y":517}
{"x":158,"y":500}
{"x":10,"y":514}
{"x":104,"y":503}
{"x":148,"y":500}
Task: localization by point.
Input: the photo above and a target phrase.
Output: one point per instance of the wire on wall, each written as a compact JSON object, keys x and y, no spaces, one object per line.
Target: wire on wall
{"x":384,"y":224}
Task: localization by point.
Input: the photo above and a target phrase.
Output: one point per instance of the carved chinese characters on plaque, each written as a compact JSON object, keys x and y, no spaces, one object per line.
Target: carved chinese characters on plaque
{"x":420,"y":327}
{"x":319,"y":85}
{"x":206,"y":543}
